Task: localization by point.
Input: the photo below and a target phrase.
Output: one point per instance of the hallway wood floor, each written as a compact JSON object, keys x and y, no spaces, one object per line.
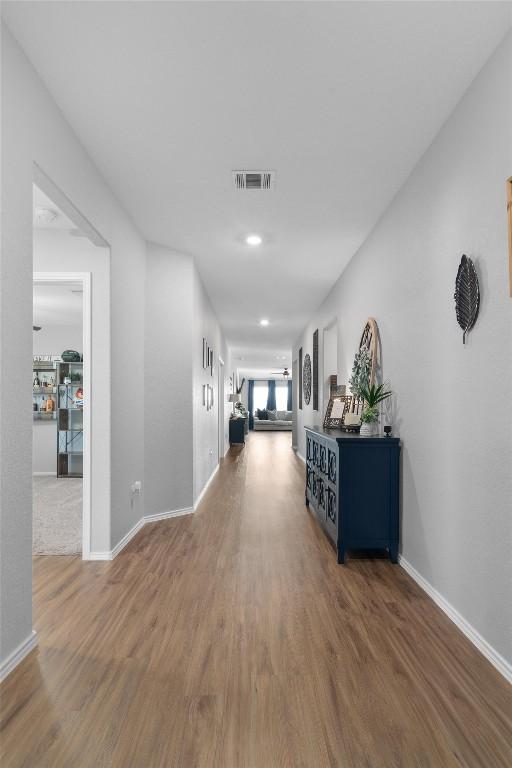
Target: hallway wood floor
{"x":232,"y":639}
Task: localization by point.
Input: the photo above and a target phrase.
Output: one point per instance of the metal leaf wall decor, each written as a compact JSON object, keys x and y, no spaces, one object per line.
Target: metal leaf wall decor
{"x":467,"y":295}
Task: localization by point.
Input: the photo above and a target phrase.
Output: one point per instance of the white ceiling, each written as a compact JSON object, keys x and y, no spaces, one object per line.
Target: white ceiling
{"x":340,"y":99}
{"x":259,"y":362}
{"x":57,"y":304}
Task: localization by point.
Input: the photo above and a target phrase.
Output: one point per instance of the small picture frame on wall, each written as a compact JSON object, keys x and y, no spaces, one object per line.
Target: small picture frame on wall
{"x":208,"y":396}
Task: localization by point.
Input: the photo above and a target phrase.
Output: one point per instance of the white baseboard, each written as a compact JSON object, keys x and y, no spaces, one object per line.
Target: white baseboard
{"x":110,"y":555}
{"x":127,"y":538}
{"x":301,"y":457}
{"x":44,"y":474}
{"x":490,"y":653}
{"x":205,"y":487}
{"x":165,"y":515}
{"x":19,"y":653}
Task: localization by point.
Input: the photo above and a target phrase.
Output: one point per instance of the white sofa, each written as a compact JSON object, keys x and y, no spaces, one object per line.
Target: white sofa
{"x":282,"y":423}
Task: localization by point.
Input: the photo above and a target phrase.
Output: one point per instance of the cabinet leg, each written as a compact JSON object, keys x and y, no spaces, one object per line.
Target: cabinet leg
{"x":393,"y":553}
{"x":307,"y":501}
{"x":341,"y":556}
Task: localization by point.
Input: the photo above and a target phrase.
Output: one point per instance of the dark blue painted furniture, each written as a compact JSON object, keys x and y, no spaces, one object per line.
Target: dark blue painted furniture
{"x":352,"y":483}
{"x":236,"y":431}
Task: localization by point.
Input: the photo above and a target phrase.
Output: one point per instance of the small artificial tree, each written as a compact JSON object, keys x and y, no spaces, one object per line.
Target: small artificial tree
{"x":360,"y":372}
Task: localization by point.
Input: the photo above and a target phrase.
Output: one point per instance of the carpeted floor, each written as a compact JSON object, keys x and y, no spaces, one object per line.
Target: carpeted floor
{"x":57,"y":516}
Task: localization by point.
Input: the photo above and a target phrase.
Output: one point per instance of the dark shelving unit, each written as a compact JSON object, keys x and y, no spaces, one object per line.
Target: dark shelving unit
{"x":70,"y":424}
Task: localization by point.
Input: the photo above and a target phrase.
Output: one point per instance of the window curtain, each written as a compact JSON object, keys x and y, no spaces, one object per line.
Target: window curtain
{"x":271,"y":399}
{"x":289,"y":401}
{"x":250,"y":403}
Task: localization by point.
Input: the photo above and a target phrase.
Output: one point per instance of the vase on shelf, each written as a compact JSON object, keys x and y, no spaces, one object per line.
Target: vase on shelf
{"x":369,"y":429}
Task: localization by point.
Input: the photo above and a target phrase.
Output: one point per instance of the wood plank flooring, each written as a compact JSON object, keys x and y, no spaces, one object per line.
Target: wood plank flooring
{"x":232,"y":639}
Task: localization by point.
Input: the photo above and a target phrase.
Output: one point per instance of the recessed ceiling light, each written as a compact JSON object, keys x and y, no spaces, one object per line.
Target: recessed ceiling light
{"x":264,"y":321}
{"x":254,"y":240}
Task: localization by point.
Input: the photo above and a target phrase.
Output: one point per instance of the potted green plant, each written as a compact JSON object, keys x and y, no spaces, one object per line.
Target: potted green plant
{"x":372,"y":395}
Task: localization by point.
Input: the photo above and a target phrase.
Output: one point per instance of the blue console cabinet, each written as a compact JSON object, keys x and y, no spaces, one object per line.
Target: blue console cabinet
{"x":353,"y":485}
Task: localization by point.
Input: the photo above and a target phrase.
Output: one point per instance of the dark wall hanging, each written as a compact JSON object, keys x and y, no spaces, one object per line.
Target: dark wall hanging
{"x":306,"y":379}
{"x":315,"y":370}
{"x":300,"y":378}
{"x":509,"y":217}
{"x":467,"y":295}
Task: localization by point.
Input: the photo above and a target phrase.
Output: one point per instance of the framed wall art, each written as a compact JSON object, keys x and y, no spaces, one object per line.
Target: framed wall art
{"x":509,"y":217}
{"x":315,"y":370}
{"x":306,"y":379}
{"x":300,"y":378}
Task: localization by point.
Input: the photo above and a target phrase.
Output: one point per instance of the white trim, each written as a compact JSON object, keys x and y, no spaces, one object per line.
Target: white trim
{"x":126,"y":538}
{"x":19,"y":653}
{"x":85,"y":279}
{"x":46,"y":185}
{"x":110,"y":555}
{"x":165,"y":515}
{"x":297,"y":453}
{"x":87,"y":434}
{"x":44,"y":474}
{"x":100,"y":555}
{"x":205,"y":487}
{"x":490,"y":653}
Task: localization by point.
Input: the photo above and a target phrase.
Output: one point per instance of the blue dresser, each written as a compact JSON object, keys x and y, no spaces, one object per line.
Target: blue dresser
{"x":353,"y":486}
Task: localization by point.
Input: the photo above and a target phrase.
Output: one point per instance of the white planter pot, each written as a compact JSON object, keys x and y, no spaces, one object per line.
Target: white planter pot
{"x":369,"y":429}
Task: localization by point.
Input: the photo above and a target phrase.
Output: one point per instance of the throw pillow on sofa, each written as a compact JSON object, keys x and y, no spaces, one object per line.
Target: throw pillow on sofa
{"x":281,"y":415}
{"x":287,"y":415}
{"x":262,"y":414}
{"x":272,"y":415}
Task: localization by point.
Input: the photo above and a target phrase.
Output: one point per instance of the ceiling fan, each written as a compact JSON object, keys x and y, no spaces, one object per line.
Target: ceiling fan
{"x":284,"y":372}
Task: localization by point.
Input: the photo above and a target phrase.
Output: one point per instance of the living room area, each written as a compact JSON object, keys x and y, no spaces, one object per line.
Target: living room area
{"x":271,"y":406}
{"x":263,"y":389}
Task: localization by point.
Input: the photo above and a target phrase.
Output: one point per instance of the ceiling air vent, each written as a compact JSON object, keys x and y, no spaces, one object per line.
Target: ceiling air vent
{"x":254,"y":179}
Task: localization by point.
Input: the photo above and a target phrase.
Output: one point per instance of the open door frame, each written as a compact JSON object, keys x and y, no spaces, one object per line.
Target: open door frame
{"x":85,"y":279}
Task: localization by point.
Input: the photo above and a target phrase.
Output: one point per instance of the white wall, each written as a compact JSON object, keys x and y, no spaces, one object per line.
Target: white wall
{"x":58,"y":251}
{"x":54,"y":339}
{"x":205,"y":423}
{"x":168,"y":381}
{"x":181,"y":436}
{"x":34,"y":131}
{"x":453,"y":405}
{"x":50,"y":340}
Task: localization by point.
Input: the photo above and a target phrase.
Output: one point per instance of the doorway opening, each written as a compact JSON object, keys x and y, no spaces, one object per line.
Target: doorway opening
{"x":220,"y":410}
{"x":330,"y":360}
{"x":71,"y":364}
{"x":295,"y":394}
{"x":60,"y":377}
